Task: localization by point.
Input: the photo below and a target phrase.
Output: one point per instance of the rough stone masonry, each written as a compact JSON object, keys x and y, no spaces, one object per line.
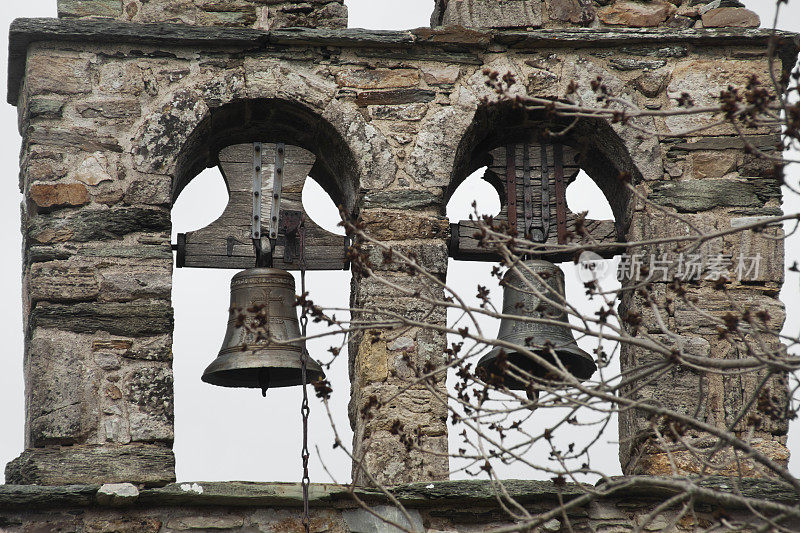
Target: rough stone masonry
{"x":118,"y":113}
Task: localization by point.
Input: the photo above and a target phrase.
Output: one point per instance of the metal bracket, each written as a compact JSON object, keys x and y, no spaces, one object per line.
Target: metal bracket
{"x":180,"y":248}
{"x":257,"y":186}
{"x":277,"y":190}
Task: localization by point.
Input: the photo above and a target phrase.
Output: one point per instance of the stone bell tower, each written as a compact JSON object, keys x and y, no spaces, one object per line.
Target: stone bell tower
{"x":122,"y":102}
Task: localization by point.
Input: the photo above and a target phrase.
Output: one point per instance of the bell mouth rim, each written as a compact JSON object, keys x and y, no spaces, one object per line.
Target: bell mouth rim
{"x":225,"y":372}
{"x":583,"y":367}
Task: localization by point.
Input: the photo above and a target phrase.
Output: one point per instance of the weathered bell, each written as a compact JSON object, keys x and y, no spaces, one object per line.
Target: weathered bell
{"x":520,"y":299}
{"x":256,"y":352}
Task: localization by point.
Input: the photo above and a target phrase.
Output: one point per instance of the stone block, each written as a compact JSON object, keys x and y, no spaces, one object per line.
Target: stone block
{"x":686,"y":463}
{"x":97,"y":224}
{"x":47,"y":195}
{"x":95,"y":169}
{"x":651,"y":84}
{"x":637,"y":14}
{"x":405,"y":113}
{"x":399,"y":226}
{"x":704,"y":309}
{"x":693,"y":196}
{"x":403,"y":199}
{"x":431,"y":256}
{"x":127,"y":524}
{"x":742,"y":256}
{"x":61,"y":281}
{"x":372,"y":359}
{"x":730,"y":17}
{"x":64,"y":135}
{"x":150,"y":465}
{"x":133,"y":319}
{"x":61,"y":400}
{"x":127,"y":282}
{"x":149,"y":190}
{"x":580,"y":12}
{"x":492,"y":14}
{"x":42,"y":107}
{"x":713,"y":164}
{"x":440,"y":75}
{"x":60,"y":74}
{"x":89,"y":8}
{"x":121,"y":110}
{"x":381,"y":78}
{"x":243,"y":17}
{"x":332,"y":15}
{"x":704,"y":80}
{"x":676,"y":388}
{"x":149,"y":391}
{"x":205,"y":522}
{"x":394,"y":97}
{"x":361,"y":521}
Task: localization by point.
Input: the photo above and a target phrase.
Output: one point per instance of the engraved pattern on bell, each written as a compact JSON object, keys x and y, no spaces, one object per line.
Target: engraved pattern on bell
{"x":261,"y":345}
{"x":520,"y":298}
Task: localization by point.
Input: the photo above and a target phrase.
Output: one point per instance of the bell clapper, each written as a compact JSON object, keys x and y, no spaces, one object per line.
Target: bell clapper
{"x":263,"y":381}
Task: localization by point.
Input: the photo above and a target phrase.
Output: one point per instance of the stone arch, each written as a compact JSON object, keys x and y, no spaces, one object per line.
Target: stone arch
{"x":603,"y":154}
{"x":191,"y":124}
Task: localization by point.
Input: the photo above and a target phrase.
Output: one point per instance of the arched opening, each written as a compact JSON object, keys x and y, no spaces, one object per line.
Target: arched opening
{"x":221,"y":433}
{"x":320,"y":207}
{"x":584,"y":196}
{"x":474,"y":196}
{"x":592,"y":159}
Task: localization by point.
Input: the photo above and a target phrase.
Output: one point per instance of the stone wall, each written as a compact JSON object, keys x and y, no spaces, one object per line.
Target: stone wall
{"x":261,"y":14}
{"x":110,"y":115}
{"x":452,"y":507}
{"x":676,"y":14}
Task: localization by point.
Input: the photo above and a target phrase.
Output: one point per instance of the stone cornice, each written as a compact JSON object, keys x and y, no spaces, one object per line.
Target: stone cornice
{"x":25,"y":31}
{"x":475,"y":493}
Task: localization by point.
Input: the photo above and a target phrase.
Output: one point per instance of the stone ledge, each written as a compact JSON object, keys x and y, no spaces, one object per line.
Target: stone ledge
{"x":25,"y":31}
{"x":475,"y":493}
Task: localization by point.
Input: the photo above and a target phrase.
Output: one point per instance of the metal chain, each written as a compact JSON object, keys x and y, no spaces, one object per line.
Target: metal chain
{"x":304,"y":410}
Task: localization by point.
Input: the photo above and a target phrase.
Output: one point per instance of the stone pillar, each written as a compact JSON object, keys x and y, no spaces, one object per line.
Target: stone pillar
{"x":606,"y":13}
{"x":399,"y":422}
{"x":718,"y":186}
{"x":97,"y":283}
{"x":259,"y":14}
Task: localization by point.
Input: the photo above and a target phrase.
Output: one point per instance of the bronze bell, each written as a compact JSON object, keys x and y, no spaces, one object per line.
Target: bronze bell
{"x":520,"y":300}
{"x":262,"y":316}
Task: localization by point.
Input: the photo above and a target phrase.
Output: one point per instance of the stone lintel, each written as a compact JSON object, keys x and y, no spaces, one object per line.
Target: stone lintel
{"x":149,"y":464}
{"x":474,"y":493}
{"x":25,"y":31}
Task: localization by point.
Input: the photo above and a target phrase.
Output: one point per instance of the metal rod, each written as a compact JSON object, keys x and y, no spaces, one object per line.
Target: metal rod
{"x":277,"y":188}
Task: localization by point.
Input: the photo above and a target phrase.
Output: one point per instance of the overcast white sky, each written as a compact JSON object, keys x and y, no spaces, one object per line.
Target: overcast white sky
{"x":224,"y":434}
